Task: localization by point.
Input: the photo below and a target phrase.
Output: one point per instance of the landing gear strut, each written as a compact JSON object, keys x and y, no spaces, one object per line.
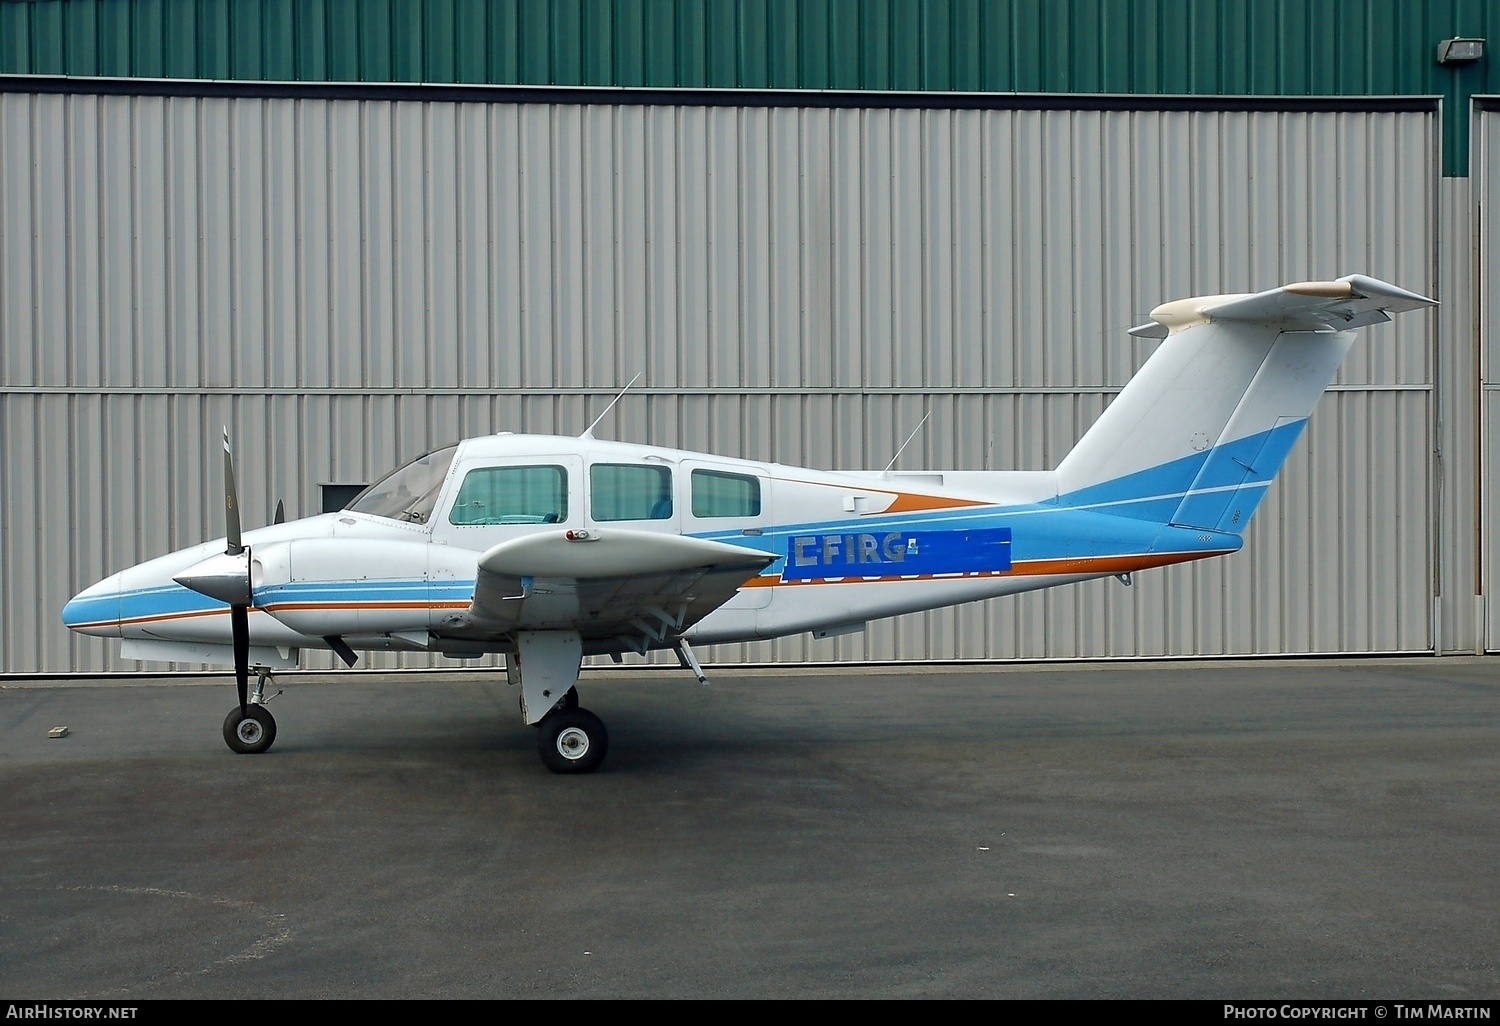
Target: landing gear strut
{"x":545,"y":665}
{"x":255,"y":730}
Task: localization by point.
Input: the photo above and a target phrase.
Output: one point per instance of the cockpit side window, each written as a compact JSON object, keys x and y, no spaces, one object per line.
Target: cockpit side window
{"x":512,"y":495}
{"x":410,"y":493}
{"x":716,"y":494}
{"x":630,"y":491}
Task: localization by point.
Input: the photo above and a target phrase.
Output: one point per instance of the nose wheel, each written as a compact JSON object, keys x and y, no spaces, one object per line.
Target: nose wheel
{"x":251,"y":733}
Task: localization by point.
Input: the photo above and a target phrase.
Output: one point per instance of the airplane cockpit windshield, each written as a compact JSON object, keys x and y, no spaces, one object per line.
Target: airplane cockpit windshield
{"x":410,"y":493}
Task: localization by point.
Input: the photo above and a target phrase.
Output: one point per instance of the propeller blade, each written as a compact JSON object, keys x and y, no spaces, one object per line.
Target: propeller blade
{"x":233,"y":586}
{"x":231,"y":502}
{"x":239,"y":624}
{"x":280,"y":517}
{"x":339,"y":645}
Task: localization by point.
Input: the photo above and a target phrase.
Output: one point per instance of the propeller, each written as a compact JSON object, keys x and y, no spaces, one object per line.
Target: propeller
{"x":239,"y":612}
{"x":227,"y":578}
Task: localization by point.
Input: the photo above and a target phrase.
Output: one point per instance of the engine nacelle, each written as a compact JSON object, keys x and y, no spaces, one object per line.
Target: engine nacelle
{"x":357,"y":586}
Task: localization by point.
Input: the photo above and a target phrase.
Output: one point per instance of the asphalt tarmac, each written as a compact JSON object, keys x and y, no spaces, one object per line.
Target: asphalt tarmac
{"x":1279,"y":830}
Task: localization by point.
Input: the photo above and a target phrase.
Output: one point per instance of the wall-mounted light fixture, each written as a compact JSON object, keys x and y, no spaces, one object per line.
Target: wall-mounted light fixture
{"x":1459,"y":50}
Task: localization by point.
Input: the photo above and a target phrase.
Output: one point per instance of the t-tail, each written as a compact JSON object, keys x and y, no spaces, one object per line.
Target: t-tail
{"x":1197,"y":435}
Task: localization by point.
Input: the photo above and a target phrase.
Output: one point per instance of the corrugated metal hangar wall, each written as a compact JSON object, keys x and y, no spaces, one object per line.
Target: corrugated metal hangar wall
{"x":347,"y":274}
{"x":347,"y":283}
{"x":1486,"y":358}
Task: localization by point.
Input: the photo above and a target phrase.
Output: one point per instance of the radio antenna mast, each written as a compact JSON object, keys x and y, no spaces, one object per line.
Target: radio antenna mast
{"x":904,"y":444}
{"x":589,"y":431}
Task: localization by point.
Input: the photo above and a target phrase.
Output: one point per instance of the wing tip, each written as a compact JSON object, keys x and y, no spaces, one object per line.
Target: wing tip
{"x":1374,"y":288}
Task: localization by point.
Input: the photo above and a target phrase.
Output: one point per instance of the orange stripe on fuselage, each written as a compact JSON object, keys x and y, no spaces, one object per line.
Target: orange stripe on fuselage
{"x":158,"y":617}
{"x":1110,"y":564}
{"x":910,"y":502}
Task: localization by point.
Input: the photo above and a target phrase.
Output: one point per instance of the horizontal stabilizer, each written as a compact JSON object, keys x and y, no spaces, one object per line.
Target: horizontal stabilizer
{"x":1352,"y":301}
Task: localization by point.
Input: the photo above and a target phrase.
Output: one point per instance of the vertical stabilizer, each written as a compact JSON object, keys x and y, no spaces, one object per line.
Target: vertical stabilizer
{"x":1197,"y":436}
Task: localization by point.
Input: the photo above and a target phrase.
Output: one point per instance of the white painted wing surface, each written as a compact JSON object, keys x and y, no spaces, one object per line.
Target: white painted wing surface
{"x":614,"y":583}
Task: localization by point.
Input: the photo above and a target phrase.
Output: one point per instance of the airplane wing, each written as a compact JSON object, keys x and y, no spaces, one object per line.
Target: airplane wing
{"x":636,"y":586}
{"x":1352,"y":301}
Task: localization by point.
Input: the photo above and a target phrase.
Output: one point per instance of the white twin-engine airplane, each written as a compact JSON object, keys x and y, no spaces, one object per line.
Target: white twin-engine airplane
{"x":548,"y":549}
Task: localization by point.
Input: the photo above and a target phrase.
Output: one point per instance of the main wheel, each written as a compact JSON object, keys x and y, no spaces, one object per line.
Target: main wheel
{"x":572,"y":741}
{"x":252,"y":733}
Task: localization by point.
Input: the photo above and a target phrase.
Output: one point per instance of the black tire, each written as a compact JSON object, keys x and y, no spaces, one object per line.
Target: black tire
{"x":252,"y":733}
{"x":572,"y":741}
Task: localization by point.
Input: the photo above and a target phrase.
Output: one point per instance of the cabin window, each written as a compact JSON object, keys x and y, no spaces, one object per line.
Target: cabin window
{"x":512,"y":495}
{"x":630,"y":491}
{"x":716,"y":494}
{"x":409,"y":493}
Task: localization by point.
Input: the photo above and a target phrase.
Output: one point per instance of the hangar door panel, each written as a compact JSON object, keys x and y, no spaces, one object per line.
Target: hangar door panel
{"x":799,"y":285}
{"x":1486,"y":205}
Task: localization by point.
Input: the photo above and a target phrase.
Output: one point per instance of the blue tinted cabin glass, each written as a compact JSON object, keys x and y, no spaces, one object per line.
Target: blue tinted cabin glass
{"x":512,"y":495}
{"x":716,"y":494}
{"x":630,"y":491}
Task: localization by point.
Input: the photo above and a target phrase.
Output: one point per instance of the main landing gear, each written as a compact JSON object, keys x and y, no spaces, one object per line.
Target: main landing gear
{"x":254,"y":730}
{"x":545,"y":665}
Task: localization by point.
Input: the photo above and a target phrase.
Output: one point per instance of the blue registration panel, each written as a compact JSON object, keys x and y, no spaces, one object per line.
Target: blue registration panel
{"x":896,"y":553}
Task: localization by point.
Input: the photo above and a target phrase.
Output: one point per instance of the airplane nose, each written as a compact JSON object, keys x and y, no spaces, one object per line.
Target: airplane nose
{"x":96,"y":609}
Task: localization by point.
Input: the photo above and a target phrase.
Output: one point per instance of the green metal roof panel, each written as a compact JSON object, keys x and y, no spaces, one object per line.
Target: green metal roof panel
{"x":1205,"y":47}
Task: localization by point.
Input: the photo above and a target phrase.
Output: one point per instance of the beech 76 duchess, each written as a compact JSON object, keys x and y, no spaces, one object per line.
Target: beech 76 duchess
{"x":550,"y":549}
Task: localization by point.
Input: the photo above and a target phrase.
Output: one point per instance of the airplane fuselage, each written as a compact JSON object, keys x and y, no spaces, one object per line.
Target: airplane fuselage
{"x":849,"y":548}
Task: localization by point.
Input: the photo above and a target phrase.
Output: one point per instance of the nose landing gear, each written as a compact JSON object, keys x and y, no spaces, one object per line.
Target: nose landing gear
{"x":254,"y":731}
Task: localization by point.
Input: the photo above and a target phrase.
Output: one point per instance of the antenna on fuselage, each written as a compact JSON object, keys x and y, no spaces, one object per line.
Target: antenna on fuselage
{"x":589,"y":431}
{"x":904,"y":444}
